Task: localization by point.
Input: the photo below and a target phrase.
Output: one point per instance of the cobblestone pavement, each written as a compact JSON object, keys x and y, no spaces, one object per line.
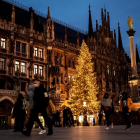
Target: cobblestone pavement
{"x":78,"y":133}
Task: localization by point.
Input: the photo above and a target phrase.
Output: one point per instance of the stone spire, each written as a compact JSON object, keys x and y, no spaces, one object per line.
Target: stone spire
{"x":120,"y":45}
{"x":13,"y":14}
{"x":90,"y":28}
{"x":31,"y":19}
{"x":48,"y":15}
{"x":137,"y":54}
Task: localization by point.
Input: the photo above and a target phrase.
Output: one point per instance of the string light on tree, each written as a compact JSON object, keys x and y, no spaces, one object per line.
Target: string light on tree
{"x":83,"y":94}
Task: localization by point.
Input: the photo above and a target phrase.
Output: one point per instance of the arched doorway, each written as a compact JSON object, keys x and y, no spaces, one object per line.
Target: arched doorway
{"x":5,"y":112}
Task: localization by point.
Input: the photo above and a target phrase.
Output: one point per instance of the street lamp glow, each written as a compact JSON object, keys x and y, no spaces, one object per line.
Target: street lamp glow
{"x":84,"y":104}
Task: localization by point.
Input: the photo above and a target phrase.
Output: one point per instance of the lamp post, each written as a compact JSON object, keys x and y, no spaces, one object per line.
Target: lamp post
{"x":84,"y":114}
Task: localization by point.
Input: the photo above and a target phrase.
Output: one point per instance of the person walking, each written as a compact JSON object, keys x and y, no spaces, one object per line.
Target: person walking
{"x":139,"y":115}
{"x":125,"y":107}
{"x":29,"y":98}
{"x":41,"y":101}
{"x":107,"y":106}
{"x":57,"y":119}
{"x":53,"y":116}
{"x":19,"y":114}
{"x":100,"y":115}
{"x":65,"y":117}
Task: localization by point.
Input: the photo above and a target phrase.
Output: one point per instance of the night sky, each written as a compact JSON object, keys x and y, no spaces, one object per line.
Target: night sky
{"x":75,"y":13}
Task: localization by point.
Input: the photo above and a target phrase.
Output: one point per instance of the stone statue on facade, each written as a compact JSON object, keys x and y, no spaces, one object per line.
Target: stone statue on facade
{"x":129,"y":22}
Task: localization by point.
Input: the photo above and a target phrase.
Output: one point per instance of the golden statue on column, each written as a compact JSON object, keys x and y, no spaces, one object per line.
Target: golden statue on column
{"x":129,"y":22}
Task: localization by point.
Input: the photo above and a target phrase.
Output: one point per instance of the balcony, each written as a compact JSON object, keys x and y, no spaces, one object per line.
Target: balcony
{"x":113,"y":90}
{"x":3,"y":50}
{"x":2,"y":71}
{"x":4,"y":92}
{"x":23,"y":74}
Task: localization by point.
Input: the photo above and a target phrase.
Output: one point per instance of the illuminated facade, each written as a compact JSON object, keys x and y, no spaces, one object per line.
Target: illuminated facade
{"x":35,"y":45}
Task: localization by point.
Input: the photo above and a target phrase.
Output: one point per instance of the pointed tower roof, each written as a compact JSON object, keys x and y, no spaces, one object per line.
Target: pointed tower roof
{"x":137,"y":54}
{"x":48,"y":15}
{"x":120,"y":45}
{"x":90,"y":28}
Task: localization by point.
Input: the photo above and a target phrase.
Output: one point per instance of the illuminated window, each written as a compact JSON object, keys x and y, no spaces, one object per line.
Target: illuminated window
{"x":35,"y":69}
{"x":72,"y":78}
{"x":16,"y":65}
{"x":40,"y":70}
{"x":40,"y":53}
{"x":2,"y":63}
{"x":114,"y":71}
{"x":3,"y":43}
{"x":22,"y":67}
{"x":69,"y":79}
{"x":35,"y":51}
{"x":108,"y":69}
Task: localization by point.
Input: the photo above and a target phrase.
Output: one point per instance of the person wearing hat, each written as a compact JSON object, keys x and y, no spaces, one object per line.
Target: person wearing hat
{"x":125,"y":107}
{"x":107,"y":106}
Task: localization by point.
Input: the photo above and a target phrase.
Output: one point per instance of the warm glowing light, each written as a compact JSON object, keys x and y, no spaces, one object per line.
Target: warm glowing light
{"x":83,"y":94}
{"x":84,"y":104}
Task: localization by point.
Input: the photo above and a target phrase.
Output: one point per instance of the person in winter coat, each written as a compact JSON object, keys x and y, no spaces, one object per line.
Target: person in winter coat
{"x":29,"y":97}
{"x":100,"y":115}
{"x":41,"y":101}
{"x":125,"y":107}
{"x":65,"y":117}
{"x":19,"y":114}
{"x":107,"y":106}
{"x":57,"y":118}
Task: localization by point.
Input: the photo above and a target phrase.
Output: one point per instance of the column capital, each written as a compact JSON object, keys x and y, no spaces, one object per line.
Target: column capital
{"x":131,"y":32}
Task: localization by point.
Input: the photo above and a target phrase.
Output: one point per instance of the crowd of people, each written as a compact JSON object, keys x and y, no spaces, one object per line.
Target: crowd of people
{"x":124,"y":107}
{"x":37,"y":100}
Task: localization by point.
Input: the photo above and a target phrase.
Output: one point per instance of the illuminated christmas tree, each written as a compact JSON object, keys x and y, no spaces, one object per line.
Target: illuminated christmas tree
{"x":83,"y":94}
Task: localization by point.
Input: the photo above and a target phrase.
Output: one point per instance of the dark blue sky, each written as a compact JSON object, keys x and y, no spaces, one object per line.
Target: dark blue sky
{"x":75,"y":13}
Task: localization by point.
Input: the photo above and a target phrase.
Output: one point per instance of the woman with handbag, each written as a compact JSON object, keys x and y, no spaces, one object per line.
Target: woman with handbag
{"x":107,"y":106}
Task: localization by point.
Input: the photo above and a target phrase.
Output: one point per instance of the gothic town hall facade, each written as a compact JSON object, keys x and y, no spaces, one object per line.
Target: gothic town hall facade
{"x":33,"y":45}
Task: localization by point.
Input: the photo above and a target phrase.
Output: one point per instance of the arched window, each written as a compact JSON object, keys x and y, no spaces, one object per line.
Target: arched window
{"x":108,"y":69}
{"x":101,"y":68}
{"x":107,"y":84}
{"x":113,"y":85}
{"x":114,"y":73}
{"x":119,"y":84}
{"x":101,"y":84}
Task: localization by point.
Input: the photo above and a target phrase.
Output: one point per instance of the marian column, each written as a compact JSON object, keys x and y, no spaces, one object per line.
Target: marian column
{"x":134,"y":80}
{"x":131,"y":33}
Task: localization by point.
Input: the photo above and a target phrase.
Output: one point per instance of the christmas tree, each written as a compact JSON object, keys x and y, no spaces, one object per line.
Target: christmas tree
{"x":83,"y":94}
